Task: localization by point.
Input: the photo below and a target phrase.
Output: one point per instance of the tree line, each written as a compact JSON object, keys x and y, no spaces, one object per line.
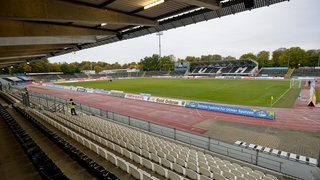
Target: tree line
{"x":294,"y":57}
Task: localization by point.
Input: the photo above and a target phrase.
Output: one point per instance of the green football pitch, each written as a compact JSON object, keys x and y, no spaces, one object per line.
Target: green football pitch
{"x":241,"y":92}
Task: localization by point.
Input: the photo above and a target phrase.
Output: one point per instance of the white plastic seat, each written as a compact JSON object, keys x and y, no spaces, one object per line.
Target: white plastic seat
{"x":236,"y":173}
{"x":181,"y":162}
{"x":192,"y":167}
{"x":147,"y":176}
{"x":249,"y":170}
{"x":137,"y":150}
{"x":224,"y":168}
{"x":160,"y":170}
{"x":110,"y":145}
{"x":205,"y":172}
{"x":123,"y":165}
{"x":86,"y":143}
{"x":102,"y":152}
{"x":259,"y":172}
{"x":174,"y":176}
{"x":241,"y":178}
{"x":243,"y":171}
{"x":203,"y":177}
{"x":249,"y":177}
{"x":118,"y":149}
{"x":192,"y":174}
{"x":135,"y":172}
{"x":122,"y":143}
{"x":126,"y":153}
{"x":271,"y":176}
{"x":218,"y":176}
{"x":112,"y":158}
{"x":161,"y":154}
{"x":152,"y":150}
{"x":130,"y":147}
{"x":203,"y":165}
{"x":170,"y":158}
{"x":148,"y":164}
{"x":214,"y":169}
{"x":267,"y":178}
{"x":155,"y":158}
{"x":256,"y":175}
{"x":145,"y":153}
{"x":94,"y":147}
{"x":166,"y":163}
{"x":228,"y":175}
{"x":179,"y":169}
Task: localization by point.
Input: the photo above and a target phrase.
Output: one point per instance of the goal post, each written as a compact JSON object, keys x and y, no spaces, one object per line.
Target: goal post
{"x":295,"y":83}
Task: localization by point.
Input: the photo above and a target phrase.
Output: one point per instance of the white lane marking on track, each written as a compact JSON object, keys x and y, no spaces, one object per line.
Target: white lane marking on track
{"x":199,"y":113}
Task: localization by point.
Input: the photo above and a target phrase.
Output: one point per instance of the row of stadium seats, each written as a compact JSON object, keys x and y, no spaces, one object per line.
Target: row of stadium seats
{"x":276,"y":152}
{"x":46,"y":167}
{"x":159,"y":155}
{"x":94,"y":168}
{"x":221,"y":70}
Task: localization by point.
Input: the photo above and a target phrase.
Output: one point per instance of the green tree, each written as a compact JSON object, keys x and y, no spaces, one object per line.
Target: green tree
{"x":216,"y":57}
{"x":248,"y":56}
{"x":191,"y":59}
{"x":229,"y":58}
{"x":275,"y":57}
{"x":26,"y":68}
{"x":86,"y":66}
{"x":68,"y":68}
{"x":313,"y":58}
{"x":293,"y":57}
{"x":98,"y":68}
{"x":263,"y":58}
{"x":166,"y":63}
{"x":55,"y":67}
{"x":40,"y":66}
{"x":116,"y":65}
{"x":150,"y":63}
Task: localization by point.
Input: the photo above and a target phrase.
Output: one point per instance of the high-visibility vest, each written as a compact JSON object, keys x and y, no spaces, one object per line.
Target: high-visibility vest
{"x":71,"y":105}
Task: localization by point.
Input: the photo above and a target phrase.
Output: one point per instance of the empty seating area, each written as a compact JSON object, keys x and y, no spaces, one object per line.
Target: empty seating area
{"x":46,"y":167}
{"x":156,"y":73}
{"x":307,"y":72}
{"x":89,"y":164}
{"x":273,"y":72}
{"x":144,"y":155}
{"x":177,"y":73}
{"x":223,"y":68}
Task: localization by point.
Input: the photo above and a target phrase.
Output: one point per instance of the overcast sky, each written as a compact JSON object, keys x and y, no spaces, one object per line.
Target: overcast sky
{"x":287,"y":24}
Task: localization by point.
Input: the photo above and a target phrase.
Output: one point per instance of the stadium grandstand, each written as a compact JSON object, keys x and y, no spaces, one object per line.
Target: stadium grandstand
{"x":114,"y":146}
{"x":310,"y":72}
{"x":39,"y":139}
{"x":273,"y":71}
{"x":224,"y":68}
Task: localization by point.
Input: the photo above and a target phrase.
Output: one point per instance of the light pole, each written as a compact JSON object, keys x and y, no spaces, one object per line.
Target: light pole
{"x":159,"y":34}
{"x":318,"y":60}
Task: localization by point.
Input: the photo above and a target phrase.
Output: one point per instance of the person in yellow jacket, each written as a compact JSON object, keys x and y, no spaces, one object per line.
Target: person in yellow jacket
{"x":72,"y":106}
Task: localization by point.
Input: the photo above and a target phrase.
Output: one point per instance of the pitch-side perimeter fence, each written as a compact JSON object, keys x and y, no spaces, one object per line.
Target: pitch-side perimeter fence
{"x":293,"y":167}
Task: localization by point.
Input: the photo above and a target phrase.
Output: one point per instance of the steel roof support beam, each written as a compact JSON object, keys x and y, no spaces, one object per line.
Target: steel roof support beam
{"x":209,"y":4}
{"x":61,"y":11}
{"x":10,"y":28}
{"x":16,"y":41}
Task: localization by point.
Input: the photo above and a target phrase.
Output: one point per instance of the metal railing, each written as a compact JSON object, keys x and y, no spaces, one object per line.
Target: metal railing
{"x":251,"y":156}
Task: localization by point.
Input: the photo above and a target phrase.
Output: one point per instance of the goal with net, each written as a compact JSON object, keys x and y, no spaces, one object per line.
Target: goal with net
{"x":295,"y":83}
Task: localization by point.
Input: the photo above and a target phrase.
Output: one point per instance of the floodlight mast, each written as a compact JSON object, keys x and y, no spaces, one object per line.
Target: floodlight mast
{"x":159,"y":34}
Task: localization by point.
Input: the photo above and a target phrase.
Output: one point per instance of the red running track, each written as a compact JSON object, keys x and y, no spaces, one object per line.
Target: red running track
{"x":301,"y":117}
